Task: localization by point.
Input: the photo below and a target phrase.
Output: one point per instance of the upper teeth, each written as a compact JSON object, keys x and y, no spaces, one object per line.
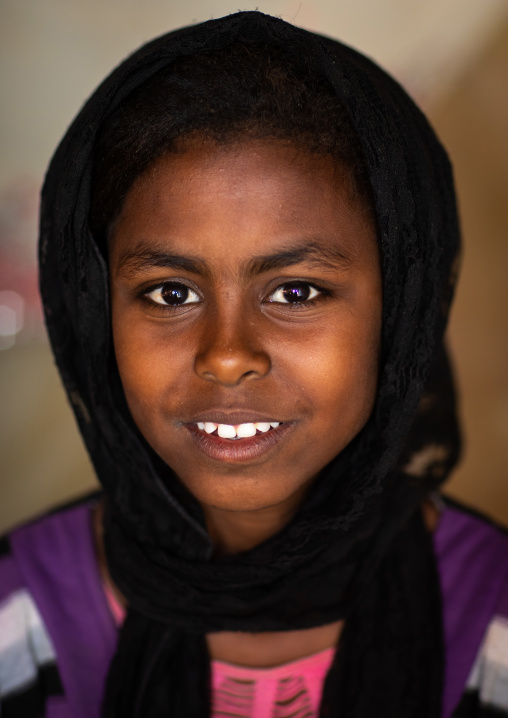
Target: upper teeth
{"x":232,"y":431}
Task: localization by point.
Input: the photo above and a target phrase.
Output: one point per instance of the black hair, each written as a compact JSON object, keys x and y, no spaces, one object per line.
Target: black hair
{"x":238,"y":92}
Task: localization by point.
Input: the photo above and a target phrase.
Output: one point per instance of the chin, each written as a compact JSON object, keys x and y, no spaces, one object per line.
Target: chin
{"x":248,"y":495}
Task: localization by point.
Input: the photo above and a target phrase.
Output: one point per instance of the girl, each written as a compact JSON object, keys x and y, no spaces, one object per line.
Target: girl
{"x":248,"y":253}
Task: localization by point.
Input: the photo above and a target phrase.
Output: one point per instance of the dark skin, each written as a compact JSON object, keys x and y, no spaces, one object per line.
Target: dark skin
{"x":246,"y":297}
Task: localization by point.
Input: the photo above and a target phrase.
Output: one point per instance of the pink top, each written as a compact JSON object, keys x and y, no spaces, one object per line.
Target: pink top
{"x":293,"y":689}
{"x":116,"y":607}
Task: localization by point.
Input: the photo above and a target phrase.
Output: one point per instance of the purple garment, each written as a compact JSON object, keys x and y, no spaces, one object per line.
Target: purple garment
{"x":473,"y":565}
{"x":56,"y":561}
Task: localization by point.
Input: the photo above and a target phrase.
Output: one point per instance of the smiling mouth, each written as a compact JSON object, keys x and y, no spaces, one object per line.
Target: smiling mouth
{"x":237,"y":431}
{"x":238,"y":443}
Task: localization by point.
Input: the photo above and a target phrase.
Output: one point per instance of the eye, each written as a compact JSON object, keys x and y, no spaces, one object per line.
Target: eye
{"x":172,"y":294}
{"x":295,"y":292}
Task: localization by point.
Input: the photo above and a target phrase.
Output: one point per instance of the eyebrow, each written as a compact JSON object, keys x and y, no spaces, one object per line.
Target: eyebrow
{"x":310,"y":252}
{"x":143,"y":258}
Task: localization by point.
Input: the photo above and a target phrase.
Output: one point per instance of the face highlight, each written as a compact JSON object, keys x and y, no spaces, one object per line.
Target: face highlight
{"x":246,"y":305}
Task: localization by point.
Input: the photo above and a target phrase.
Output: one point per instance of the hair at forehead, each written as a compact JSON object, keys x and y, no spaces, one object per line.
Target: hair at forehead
{"x":238,"y":92}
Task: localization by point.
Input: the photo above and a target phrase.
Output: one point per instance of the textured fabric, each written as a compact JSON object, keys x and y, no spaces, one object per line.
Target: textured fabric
{"x":290,"y":690}
{"x":357,"y":549}
{"x":487,"y":686}
{"x":30,"y":684}
{"x":56,"y":561}
{"x":293,"y":689}
{"x":74,"y":615}
{"x":472,"y":555}
{"x":24,"y":644}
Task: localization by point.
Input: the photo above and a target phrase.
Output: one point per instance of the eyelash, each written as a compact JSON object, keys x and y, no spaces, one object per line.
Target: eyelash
{"x":317,"y":294}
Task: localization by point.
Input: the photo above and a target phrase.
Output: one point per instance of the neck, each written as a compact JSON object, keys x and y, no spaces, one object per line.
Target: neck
{"x":237,"y":531}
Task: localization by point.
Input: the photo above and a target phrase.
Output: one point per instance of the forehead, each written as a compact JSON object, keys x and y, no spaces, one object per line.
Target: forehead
{"x":241,"y":200}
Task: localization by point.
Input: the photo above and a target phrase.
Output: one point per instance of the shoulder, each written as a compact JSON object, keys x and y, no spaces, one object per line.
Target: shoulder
{"x":30,"y":560}
{"x":472,"y":555}
{"x":28,"y":670}
{"x":487,"y":685}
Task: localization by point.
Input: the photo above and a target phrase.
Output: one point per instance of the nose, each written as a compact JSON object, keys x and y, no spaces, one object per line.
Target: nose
{"x":230,"y":354}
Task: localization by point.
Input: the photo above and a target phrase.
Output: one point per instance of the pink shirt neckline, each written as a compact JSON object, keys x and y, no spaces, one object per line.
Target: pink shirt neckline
{"x":308,"y":664}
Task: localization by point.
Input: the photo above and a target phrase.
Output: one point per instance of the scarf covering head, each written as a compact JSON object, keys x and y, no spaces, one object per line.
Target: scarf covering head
{"x":357,"y":550}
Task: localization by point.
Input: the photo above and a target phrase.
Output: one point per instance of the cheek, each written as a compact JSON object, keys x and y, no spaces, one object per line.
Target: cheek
{"x":147,"y":370}
{"x":338,"y":376}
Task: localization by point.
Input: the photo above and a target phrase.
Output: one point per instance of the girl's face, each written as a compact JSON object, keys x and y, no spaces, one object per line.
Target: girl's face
{"x":246,"y":302}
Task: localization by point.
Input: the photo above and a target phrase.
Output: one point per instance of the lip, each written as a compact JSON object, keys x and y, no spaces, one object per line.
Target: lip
{"x":237,"y":451}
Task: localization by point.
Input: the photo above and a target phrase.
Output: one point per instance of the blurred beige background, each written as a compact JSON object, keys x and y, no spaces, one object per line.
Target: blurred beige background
{"x":451,"y":55}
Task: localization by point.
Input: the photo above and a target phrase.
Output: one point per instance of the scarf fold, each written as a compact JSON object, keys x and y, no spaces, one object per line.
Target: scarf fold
{"x":357,"y":549}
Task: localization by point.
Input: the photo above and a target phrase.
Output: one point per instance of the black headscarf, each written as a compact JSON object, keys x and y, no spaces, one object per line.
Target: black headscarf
{"x":358,"y":548}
